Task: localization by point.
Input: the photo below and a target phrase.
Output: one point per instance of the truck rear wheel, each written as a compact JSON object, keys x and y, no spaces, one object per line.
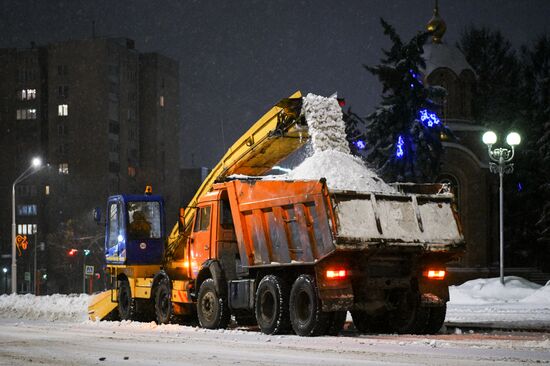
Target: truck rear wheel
{"x":436,"y":319}
{"x":272,"y":305}
{"x":306,"y":315}
{"x":366,"y":323}
{"x":336,"y":322}
{"x":408,"y":317}
{"x":126,"y":304}
{"x":163,"y":302}
{"x":212,"y":309}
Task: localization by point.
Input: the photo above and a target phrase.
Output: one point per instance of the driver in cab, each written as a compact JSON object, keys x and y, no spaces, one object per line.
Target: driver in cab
{"x":139,"y":227}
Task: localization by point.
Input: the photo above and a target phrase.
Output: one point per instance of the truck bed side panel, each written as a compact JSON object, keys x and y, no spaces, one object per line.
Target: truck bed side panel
{"x":280,"y":222}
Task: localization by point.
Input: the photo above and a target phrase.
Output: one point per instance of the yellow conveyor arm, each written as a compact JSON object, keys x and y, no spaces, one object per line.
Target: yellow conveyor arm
{"x":275,"y":136}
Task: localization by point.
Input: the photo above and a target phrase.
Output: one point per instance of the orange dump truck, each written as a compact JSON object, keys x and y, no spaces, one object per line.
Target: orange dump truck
{"x":289,"y":256}
{"x":293,"y":255}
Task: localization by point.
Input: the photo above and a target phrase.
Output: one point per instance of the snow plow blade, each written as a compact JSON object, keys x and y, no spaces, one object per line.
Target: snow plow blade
{"x":101,"y":306}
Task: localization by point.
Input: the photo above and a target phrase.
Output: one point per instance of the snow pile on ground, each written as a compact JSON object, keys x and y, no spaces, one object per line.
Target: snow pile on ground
{"x":517,"y":304}
{"x":52,"y":307}
{"x":331,"y":157}
{"x":490,"y":290}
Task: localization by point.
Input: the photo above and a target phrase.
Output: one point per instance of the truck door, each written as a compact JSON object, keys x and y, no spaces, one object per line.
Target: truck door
{"x":115,"y":245}
{"x":201,"y":235}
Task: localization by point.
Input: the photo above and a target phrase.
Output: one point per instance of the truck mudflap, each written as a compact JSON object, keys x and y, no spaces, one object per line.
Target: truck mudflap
{"x":335,"y":295}
{"x":101,"y":305}
{"x":425,"y":221}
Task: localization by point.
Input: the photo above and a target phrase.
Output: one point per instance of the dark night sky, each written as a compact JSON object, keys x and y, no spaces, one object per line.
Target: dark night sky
{"x":237,"y":58}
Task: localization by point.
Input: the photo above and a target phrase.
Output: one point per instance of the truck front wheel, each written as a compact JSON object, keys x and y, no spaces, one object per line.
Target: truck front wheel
{"x":306,"y":315}
{"x":212,"y":309}
{"x":163,"y":302}
{"x":126,"y":304}
{"x":272,"y":305}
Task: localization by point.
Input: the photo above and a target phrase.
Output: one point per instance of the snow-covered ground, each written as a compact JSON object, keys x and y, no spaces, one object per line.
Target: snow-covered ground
{"x":53,"y":330}
{"x":519,"y":303}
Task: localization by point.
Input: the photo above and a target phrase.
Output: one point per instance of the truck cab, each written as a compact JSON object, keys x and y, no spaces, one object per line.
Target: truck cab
{"x":135,"y":229}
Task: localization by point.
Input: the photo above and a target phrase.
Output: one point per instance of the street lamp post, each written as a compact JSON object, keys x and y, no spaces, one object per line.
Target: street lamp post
{"x":36,"y":164}
{"x":5,"y":270}
{"x":501,"y":164}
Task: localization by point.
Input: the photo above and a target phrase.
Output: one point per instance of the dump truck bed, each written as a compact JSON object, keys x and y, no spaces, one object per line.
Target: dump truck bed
{"x":301,"y":222}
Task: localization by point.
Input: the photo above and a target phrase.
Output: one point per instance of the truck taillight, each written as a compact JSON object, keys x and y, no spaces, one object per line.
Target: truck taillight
{"x":435,"y":274}
{"x":336,"y":274}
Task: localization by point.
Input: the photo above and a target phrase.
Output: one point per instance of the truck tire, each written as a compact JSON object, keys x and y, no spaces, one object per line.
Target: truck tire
{"x":408,"y":317}
{"x":212,"y":309}
{"x":163,"y":302}
{"x":271,"y":305}
{"x":336,"y":322}
{"x":126,"y":304}
{"x":436,"y":319}
{"x":365,"y":323}
{"x":306,"y":316}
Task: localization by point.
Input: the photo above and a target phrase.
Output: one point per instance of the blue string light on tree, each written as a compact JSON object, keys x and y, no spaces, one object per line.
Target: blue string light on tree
{"x":360,"y":144}
{"x":399,"y":152}
{"x":428,"y":118}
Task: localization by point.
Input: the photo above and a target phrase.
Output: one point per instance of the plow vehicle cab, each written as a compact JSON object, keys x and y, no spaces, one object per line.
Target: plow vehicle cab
{"x":135,"y":229}
{"x":135,"y":235}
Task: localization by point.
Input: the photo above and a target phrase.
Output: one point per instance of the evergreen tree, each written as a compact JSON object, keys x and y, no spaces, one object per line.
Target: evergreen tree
{"x":402,"y":136}
{"x":536,"y":61}
{"x":509,"y":96}
{"x":498,"y":75}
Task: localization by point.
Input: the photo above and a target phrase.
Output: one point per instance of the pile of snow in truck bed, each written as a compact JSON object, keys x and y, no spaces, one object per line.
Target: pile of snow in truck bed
{"x":331,"y":157}
{"x":342,"y":171}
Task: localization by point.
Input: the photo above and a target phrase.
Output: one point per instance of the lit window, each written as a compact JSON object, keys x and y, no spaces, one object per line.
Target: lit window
{"x":26,"y":94}
{"x":63,"y":110}
{"x":63,"y":168}
{"x":131,"y":171}
{"x":47,"y":190}
{"x":29,"y":113}
{"x":27,"y":229}
{"x":26,"y":210}
{"x":161,"y":101}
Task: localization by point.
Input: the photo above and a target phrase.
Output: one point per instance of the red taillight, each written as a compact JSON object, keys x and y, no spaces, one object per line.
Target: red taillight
{"x":337,"y":274}
{"x":435,"y":274}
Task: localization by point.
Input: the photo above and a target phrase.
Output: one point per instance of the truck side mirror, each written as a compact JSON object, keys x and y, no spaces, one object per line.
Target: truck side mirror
{"x":181,"y":220}
{"x":97,"y":215}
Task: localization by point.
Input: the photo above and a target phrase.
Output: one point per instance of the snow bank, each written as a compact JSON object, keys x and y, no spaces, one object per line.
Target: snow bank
{"x":52,"y":307}
{"x":490,"y":291}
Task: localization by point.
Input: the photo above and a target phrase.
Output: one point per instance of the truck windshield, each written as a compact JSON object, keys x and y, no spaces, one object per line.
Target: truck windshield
{"x":144,"y":220}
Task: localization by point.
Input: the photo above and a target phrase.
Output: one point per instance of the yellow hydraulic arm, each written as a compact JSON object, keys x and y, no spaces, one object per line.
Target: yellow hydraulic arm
{"x":276,"y":135}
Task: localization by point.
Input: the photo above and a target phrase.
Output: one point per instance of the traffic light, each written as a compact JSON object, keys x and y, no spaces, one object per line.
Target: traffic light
{"x":72,"y":252}
{"x":86,"y":252}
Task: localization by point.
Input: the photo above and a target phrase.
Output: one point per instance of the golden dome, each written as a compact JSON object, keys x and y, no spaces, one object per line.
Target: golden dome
{"x":436,"y":25}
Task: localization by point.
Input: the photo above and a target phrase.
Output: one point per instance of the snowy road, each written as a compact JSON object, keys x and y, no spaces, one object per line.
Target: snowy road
{"x":65,"y":343}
